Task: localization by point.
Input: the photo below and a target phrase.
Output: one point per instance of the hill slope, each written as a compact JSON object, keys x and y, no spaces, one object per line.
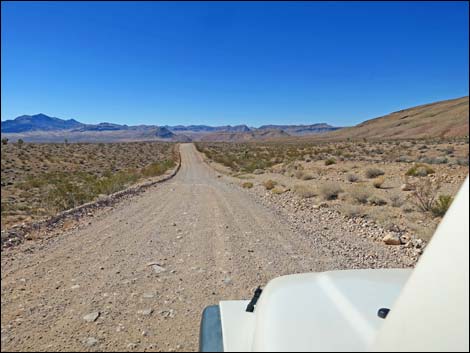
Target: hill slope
{"x":441,"y":119}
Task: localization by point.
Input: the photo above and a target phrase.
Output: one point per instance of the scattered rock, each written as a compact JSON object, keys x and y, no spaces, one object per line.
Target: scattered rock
{"x":156,"y":267}
{"x":391,"y":239}
{"x":92,"y":317}
{"x":90,"y":341}
{"x":145,"y":312}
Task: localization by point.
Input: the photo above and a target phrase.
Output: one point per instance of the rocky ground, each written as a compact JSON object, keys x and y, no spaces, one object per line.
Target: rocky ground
{"x":136,"y":276}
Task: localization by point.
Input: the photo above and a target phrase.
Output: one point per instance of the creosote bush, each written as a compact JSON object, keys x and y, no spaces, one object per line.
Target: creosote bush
{"x":441,"y":205}
{"x":420,"y":170}
{"x":330,"y":161}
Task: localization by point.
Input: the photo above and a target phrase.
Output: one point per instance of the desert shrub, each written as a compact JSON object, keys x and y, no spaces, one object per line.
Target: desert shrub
{"x":330,"y":161}
{"x":20,"y":143}
{"x":112,"y":183}
{"x":305,"y":191}
{"x":158,"y":168}
{"x":439,"y":160}
{"x":4,"y":141}
{"x":404,"y":159}
{"x":330,"y":191}
{"x":352,"y":178}
{"x":462,"y":161}
{"x":378,"y":182}
{"x":396,"y":201}
{"x":353,"y":211}
{"x":247,"y":185}
{"x":307,"y":176}
{"x":424,"y":195}
{"x":420,"y":170}
{"x":441,"y":205}
{"x":377,"y":200}
{"x":360,"y":195}
{"x":269,"y":184}
{"x":374,"y":173}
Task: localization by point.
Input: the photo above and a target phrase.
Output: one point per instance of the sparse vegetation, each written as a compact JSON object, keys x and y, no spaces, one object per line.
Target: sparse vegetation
{"x":43,"y":179}
{"x":247,"y":185}
{"x":385,"y":163}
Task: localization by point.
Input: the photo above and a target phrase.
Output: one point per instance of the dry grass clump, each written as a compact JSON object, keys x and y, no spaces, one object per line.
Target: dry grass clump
{"x":305,"y":191}
{"x":330,"y":191}
{"x":269,"y":184}
{"x":247,"y":185}
{"x":374,"y":173}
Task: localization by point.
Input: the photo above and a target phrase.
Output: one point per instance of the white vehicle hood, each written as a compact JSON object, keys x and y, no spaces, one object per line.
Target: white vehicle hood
{"x":329,"y":311}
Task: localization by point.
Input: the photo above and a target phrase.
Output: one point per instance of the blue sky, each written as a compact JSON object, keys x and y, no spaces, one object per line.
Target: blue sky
{"x":230,"y":62}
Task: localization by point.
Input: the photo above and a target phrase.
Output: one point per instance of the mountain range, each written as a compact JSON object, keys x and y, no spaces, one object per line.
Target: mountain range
{"x":449,"y":118}
{"x":43,"y":128}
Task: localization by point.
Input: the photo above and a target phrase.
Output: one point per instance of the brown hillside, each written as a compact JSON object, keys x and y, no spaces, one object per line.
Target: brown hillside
{"x":441,"y":119}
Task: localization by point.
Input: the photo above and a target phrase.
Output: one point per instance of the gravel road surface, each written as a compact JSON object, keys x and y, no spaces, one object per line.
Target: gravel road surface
{"x":137,"y":276}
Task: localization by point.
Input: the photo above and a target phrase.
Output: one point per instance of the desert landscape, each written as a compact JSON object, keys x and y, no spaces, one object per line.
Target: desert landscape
{"x":229,"y":217}
{"x":234,"y":176}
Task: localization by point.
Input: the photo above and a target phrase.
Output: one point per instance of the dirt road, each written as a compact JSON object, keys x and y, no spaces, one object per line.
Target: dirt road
{"x":211,"y":241}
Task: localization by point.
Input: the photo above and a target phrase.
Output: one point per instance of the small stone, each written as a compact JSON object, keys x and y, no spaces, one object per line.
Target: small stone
{"x":92,"y":316}
{"x":76,"y":286}
{"x":391,"y":239}
{"x":148,"y":295}
{"x":91,"y":341}
{"x":145,"y":312}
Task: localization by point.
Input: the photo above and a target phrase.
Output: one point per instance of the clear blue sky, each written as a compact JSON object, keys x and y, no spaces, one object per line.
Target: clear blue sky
{"x":230,"y":63}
